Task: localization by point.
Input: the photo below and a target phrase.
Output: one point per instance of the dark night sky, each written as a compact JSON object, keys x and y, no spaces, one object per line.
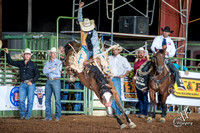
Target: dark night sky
{"x":45,"y":13}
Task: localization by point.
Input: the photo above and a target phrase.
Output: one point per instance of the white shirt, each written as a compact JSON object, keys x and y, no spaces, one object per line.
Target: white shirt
{"x":157,"y":43}
{"x":119,"y":65}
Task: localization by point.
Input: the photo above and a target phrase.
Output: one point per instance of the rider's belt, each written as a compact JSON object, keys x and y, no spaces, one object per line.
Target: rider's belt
{"x":52,"y":78}
{"x":26,"y":81}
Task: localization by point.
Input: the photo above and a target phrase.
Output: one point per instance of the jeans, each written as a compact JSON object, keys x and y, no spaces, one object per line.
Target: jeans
{"x":78,"y":96}
{"x":143,"y":102}
{"x":89,"y":53}
{"x":117,"y":84}
{"x":53,"y":86}
{"x":29,"y":92}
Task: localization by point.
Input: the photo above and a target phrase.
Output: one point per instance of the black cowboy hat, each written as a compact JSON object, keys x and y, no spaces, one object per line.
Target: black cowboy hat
{"x":167,"y":29}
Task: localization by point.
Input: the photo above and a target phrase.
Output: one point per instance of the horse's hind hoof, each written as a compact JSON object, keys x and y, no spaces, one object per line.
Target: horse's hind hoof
{"x":122,"y":126}
{"x":111,"y":115}
{"x":149,"y":119}
{"x":162,"y":120}
{"x":132,"y":125}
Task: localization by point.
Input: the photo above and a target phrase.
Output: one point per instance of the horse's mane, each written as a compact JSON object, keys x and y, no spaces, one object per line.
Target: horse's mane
{"x":67,"y":47}
{"x":74,"y":44}
{"x":161,"y":51}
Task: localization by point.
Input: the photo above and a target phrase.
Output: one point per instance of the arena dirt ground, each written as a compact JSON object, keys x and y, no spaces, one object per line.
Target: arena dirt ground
{"x":94,"y":124}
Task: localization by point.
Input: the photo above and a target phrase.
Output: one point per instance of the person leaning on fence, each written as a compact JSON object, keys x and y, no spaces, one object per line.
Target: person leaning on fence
{"x":52,"y":69}
{"x":120,"y":68}
{"x":185,"y":69}
{"x":29,"y":74}
{"x":142,"y":56}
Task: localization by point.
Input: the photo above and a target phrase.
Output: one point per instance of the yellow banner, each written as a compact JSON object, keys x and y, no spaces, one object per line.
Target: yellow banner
{"x":129,"y":88}
{"x":192,"y":88}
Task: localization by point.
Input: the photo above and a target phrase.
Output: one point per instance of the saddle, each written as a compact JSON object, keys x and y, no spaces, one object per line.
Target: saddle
{"x":78,"y":61}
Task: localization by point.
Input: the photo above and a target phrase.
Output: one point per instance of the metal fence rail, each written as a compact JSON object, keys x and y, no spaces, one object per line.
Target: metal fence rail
{"x":39,"y":49}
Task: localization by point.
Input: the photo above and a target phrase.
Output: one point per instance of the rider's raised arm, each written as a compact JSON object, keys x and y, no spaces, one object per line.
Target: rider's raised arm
{"x":95,"y":43}
{"x":80,"y":15}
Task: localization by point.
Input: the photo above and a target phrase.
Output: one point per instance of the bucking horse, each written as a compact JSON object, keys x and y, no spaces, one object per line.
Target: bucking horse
{"x":96,"y":80}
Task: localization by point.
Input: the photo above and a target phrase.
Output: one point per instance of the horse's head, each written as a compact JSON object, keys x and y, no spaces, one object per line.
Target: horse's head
{"x":159,"y":60}
{"x":106,"y":98}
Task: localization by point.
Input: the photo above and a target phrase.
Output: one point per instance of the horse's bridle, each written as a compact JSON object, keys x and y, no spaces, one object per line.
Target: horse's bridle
{"x":154,"y":59}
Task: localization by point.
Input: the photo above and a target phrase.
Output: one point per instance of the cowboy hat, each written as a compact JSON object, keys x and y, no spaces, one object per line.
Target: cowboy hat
{"x":167,"y":29}
{"x":52,"y":50}
{"x":87,"y":25}
{"x":1,"y":44}
{"x":141,"y":49}
{"x":118,"y":47}
{"x":27,"y":51}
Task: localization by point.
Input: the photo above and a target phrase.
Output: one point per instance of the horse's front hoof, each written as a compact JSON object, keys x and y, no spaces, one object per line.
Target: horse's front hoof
{"x":122,"y":126}
{"x":132,"y":125}
{"x":162,"y":120}
{"x":149,"y":119}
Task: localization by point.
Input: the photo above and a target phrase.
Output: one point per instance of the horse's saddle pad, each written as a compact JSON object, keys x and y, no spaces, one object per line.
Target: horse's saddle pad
{"x":142,"y":82}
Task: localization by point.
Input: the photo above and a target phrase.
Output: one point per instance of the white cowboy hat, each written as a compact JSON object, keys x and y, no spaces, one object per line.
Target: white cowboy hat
{"x":27,"y":51}
{"x":87,"y":25}
{"x":141,"y":49}
{"x":52,"y":50}
{"x":118,"y":47}
{"x":1,"y":44}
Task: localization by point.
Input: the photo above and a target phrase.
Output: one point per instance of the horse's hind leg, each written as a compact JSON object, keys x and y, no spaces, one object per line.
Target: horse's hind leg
{"x":117,"y":100}
{"x":118,"y":119}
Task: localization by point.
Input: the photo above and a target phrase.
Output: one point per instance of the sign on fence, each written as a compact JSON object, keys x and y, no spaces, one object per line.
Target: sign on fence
{"x":9,"y":98}
{"x":190,"y":97}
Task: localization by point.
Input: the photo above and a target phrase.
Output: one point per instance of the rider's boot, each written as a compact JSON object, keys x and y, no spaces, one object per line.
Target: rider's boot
{"x":177,"y":76}
{"x":78,"y":59}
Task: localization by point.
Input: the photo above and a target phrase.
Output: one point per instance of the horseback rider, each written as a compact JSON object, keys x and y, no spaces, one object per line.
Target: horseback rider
{"x":90,"y":44}
{"x":162,"y":42}
{"x":89,"y":36}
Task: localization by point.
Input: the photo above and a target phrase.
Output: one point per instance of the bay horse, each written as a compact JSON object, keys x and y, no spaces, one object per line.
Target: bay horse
{"x":161,"y":81}
{"x":94,"y":79}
